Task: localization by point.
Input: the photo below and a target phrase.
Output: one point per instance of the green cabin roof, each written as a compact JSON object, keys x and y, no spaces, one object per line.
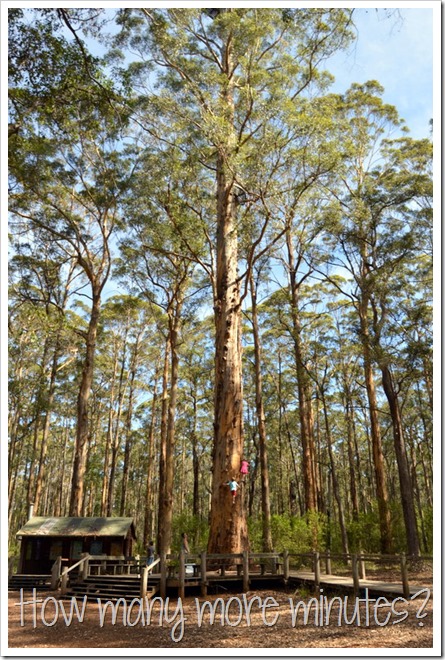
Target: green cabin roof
{"x":66,"y":526}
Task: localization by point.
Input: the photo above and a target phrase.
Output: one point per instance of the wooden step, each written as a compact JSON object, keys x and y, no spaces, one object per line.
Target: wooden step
{"x":108,"y":596}
{"x":28,"y":581}
{"x":111,"y":587}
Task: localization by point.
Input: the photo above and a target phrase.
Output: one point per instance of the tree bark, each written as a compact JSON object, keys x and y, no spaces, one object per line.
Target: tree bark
{"x":148,"y":517}
{"x":228,"y":526}
{"x":406,"y":487}
{"x":81,"y":446}
{"x":376,"y":438}
{"x":45,"y":433}
{"x":335,"y":482}
{"x":265,"y":490}
{"x":163,"y":445}
{"x":165,"y":531}
{"x":128,"y":434}
{"x":304,"y":399}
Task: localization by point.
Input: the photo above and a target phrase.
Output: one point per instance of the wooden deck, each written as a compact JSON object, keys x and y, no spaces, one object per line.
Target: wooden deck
{"x":347,"y":583}
{"x":247,"y":571}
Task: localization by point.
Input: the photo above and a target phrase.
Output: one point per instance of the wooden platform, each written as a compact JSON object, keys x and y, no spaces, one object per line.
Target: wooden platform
{"x":238,"y":571}
{"x":347,"y":583}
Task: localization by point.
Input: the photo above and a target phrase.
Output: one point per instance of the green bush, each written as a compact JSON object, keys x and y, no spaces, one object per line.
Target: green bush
{"x":196,"y":528}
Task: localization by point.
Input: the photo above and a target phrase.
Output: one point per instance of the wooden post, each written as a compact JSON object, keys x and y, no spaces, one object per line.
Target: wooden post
{"x":85,"y":565}
{"x":317,"y":571}
{"x":361,"y":567}
{"x":328,"y":562}
{"x":286,"y":565}
{"x":405,"y":583}
{"x":274,"y":564}
{"x":203,"y":574}
{"x":355,"y":578}
{"x":163,"y":569}
{"x":245,"y":571}
{"x":64,"y":582}
{"x":181,"y":586}
{"x":55,"y":573}
{"x":144,"y":578}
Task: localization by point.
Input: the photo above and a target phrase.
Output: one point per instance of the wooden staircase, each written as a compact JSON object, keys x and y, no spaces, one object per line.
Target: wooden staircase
{"x":28,"y":582}
{"x":111,"y":587}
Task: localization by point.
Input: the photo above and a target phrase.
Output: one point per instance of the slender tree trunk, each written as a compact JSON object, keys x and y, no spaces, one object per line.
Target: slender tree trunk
{"x":45,"y":433}
{"x":116,"y":431}
{"x":195,"y":458}
{"x":149,"y":513}
{"x":406,"y":488}
{"x":376,"y":439}
{"x":416,"y":489}
{"x":351,"y":456}
{"x":304,"y":399}
{"x":265,"y":491}
{"x":109,"y":438}
{"x":80,"y":451}
{"x":166,"y":493}
{"x":163,"y":446}
{"x":335,"y":483}
{"x":38,"y":410}
{"x":128,"y":424}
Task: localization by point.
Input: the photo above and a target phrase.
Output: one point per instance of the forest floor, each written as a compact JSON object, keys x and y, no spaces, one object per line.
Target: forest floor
{"x":250,"y":622}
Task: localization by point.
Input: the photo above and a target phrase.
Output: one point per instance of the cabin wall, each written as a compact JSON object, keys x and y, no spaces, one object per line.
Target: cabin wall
{"x":38,"y":554}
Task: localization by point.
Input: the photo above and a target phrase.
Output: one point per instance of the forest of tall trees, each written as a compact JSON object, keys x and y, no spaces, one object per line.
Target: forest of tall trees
{"x":213,"y":257}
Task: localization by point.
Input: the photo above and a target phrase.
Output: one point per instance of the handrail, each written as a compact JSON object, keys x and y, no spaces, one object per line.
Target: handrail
{"x":81,"y":561}
{"x":152,"y":565}
{"x":145,"y":571}
{"x":55,"y":573}
{"x":64,"y":576}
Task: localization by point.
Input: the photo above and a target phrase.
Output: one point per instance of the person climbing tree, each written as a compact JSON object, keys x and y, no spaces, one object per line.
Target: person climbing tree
{"x":244,"y":470}
{"x":234,"y":485}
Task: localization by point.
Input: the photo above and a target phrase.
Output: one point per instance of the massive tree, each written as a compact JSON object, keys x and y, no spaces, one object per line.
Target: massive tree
{"x":229,"y":79}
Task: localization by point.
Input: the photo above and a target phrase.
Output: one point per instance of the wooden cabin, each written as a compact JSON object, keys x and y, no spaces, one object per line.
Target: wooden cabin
{"x":45,"y":539}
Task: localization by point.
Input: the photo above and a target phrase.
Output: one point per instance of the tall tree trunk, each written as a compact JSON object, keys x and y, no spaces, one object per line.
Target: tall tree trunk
{"x":228,"y":525}
{"x":163,"y":444}
{"x":347,"y":403}
{"x":149,"y":513}
{"x":265,"y":491}
{"x":128,"y":423}
{"x":165,"y":515}
{"x":376,"y":438}
{"x":406,"y":488}
{"x":195,"y":458}
{"x":80,"y":451}
{"x":38,"y":410}
{"x":108,"y":439}
{"x":115,"y":441}
{"x":45,"y":433}
{"x":304,"y":399}
{"x":166,"y":489}
{"x":335,"y":483}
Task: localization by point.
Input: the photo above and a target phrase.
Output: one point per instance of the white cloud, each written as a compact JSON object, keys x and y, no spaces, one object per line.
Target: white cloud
{"x":398,"y":52}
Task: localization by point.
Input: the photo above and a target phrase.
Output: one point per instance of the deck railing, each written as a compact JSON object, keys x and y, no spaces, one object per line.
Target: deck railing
{"x":82,"y":563}
{"x":201,"y":569}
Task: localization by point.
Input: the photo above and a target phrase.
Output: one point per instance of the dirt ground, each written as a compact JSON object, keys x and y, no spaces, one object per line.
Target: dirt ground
{"x":250,"y":622}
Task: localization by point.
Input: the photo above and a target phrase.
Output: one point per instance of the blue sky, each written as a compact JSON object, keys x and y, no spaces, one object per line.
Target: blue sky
{"x":398,"y":52}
